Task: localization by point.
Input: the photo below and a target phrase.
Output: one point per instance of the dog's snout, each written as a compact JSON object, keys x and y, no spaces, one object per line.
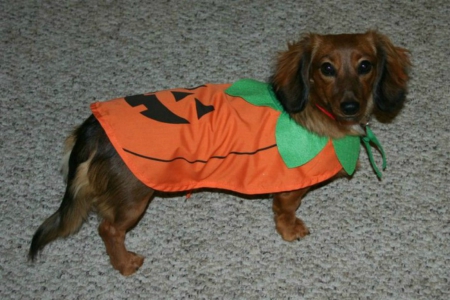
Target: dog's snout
{"x":350,"y":108}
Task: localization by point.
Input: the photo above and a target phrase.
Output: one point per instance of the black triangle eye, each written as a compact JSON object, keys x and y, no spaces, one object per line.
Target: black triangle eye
{"x":327,"y":69}
{"x":364,"y":67}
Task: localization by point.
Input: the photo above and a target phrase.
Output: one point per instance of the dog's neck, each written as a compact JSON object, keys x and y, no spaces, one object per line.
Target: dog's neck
{"x":324,"y":123}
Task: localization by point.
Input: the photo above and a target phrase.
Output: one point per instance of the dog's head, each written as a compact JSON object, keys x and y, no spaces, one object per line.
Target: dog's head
{"x":331,"y":83}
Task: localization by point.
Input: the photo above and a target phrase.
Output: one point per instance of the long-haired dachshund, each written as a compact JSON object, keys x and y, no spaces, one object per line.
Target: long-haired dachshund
{"x":303,"y":127}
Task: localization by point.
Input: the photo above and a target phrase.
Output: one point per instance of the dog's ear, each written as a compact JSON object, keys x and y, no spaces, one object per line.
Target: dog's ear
{"x":290,"y":81}
{"x":393,"y":66}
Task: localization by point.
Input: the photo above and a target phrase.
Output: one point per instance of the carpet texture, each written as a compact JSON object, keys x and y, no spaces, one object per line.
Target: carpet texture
{"x":370,"y":239}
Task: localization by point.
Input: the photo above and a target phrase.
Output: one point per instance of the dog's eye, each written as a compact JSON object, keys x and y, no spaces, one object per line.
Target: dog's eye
{"x":364,"y":67}
{"x":327,"y":69}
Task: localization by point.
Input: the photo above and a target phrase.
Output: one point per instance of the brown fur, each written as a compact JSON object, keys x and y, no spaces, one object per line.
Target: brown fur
{"x":97,"y":179}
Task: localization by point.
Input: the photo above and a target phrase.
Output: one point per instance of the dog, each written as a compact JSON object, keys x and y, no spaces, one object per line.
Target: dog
{"x":323,"y":91}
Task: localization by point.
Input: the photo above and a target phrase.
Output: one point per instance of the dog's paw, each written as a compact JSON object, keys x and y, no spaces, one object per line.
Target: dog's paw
{"x":291,"y":229}
{"x":130,"y":264}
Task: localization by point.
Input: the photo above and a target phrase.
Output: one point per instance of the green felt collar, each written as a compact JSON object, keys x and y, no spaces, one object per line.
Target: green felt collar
{"x":296,"y":144}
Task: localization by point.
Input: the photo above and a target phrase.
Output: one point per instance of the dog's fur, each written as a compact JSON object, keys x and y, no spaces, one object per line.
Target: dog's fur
{"x":348,"y":75}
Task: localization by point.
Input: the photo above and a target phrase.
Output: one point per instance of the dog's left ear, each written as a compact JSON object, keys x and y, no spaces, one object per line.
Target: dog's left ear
{"x":290,"y":81}
{"x":393,"y":66}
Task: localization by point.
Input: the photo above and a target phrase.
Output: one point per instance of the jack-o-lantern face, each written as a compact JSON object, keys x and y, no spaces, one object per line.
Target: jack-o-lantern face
{"x":215,"y":135}
{"x":157,"y":111}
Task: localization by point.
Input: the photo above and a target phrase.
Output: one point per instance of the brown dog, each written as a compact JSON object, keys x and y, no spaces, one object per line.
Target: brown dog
{"x":328,"y":84}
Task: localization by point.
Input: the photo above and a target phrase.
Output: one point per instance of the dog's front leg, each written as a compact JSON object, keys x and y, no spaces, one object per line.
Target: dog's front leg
{"x":287,"y":224}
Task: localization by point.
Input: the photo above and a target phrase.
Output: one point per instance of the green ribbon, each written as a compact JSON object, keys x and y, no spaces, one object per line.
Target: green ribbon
{"x":296,"y":144}
{"x":367,"y":140}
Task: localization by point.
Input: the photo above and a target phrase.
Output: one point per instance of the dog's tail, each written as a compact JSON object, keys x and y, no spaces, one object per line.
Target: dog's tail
{"x":76,"y":203}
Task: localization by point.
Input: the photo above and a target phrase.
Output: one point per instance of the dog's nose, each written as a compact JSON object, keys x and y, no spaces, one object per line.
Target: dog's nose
{"x":350,"y":108}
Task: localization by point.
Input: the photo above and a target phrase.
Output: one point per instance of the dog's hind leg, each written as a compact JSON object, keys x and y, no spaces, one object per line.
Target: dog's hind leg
{"x":119,"y":198}
{"x":121,"y":206}
{"x":113,"y":231}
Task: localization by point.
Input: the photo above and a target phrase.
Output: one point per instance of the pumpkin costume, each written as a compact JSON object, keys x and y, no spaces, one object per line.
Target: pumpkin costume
{"x":235,"y":137}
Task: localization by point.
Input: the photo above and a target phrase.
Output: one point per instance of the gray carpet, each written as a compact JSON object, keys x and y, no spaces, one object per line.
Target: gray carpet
{"x":370,"y":239}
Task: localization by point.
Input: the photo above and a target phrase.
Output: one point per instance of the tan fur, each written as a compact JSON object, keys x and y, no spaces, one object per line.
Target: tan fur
{"x":68,"y":145}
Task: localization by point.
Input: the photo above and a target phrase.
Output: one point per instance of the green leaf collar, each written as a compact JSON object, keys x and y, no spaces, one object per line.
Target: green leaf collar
{"x":296,"y":144}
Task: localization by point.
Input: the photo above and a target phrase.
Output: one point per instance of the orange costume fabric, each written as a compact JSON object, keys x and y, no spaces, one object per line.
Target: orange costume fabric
{"x":185,"y":139}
